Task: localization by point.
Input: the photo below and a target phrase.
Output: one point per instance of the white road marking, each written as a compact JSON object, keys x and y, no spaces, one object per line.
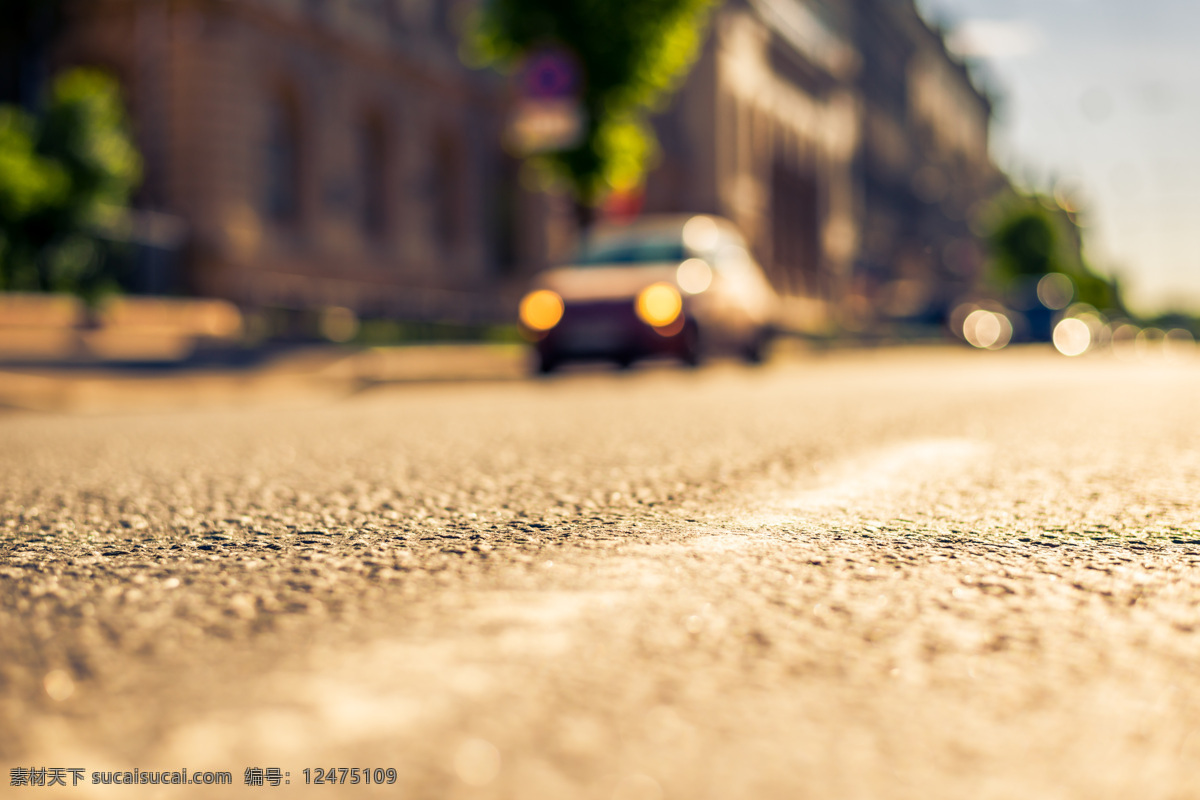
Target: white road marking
{"x":904,"y":466}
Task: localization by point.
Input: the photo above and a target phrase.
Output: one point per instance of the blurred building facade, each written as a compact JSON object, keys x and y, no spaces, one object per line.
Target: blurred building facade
{"x":923,"y":169}
{"x":338,"y":153}
{"x":765,"y":132}
{"x":847,"y":142}
{"x":321,"y":152}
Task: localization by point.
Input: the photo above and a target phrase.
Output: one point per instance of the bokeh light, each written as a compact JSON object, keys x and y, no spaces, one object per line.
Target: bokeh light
{"x":1072,"y":337}
{"x":1149,"y":344}
{"x":1055,"y":291}
{"x":694,"y":276}
{"x":987,"y":330}
{"x":339,"y":324}
{"x":659,"y":304}
{"x":701,"y":234}
{"x":1097,"y":325}
{"x":1179,"y":344}
{"x":541,"y":310}
{"x":1124,"y":338}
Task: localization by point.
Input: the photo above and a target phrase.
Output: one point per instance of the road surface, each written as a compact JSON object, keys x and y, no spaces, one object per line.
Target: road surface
{"x":903,"y":574}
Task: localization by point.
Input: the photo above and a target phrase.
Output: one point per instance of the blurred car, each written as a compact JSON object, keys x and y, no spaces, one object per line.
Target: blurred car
{"x":682,"y":286}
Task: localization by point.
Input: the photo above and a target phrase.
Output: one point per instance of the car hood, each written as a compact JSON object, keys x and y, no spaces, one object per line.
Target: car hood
{"x":605,"y":282}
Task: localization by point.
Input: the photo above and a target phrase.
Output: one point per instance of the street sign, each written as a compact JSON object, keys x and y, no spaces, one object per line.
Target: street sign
{"x":550,"y":73}
{"x":548,"y":117}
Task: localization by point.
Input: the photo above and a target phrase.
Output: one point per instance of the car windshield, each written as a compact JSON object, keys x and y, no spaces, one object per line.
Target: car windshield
{"x":629,"y":251}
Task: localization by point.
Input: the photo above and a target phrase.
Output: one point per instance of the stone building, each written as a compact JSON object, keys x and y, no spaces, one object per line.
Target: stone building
{"x":923,"y":168}
{"x":322,"y":152}
{"x":848,"y":144}
{"x":338,"y":153}
{"x":765,"y":131}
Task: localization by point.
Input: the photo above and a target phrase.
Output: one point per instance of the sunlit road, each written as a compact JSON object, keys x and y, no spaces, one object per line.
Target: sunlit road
{"x":907,"y":574}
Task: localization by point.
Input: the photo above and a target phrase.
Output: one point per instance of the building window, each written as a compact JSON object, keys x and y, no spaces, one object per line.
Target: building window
{"x":447,"y":191}
{"x":372,"y":177}
{"x":796,"y":226}
{"x":281,"y":161}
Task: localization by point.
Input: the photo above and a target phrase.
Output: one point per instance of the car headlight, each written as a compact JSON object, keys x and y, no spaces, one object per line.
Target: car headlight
{"x":659,"y":304}
{"x":541,"y":310}
{"x":694,"y":276}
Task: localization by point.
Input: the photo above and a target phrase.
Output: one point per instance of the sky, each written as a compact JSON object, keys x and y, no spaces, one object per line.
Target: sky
{"x":1101,"y":99}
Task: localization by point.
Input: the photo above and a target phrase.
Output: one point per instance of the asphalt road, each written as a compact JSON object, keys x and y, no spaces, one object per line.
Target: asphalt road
{"x":903,"y":574}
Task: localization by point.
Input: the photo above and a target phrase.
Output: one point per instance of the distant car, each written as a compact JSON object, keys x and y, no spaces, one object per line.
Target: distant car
{"x":682,"y":286}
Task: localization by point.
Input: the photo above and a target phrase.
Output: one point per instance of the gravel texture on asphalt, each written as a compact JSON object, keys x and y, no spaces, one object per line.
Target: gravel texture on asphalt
{"x":895,"y":575}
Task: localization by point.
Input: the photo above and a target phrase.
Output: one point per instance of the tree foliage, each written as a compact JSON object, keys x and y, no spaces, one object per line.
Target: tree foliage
{"x":632,"y":55}
{"x":1031,"y":237}
{"x":64,"y":176}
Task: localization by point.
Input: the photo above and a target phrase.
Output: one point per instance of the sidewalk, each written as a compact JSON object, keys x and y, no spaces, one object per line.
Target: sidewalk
{"x":298,"y":376}
{"x":303,"y":376}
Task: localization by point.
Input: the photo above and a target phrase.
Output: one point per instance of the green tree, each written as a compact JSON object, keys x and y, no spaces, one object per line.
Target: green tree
{"x":1025,"y":244}
{"x":65,"y":177}
{"x":1032,"y":237}
{"x":632,"y":55}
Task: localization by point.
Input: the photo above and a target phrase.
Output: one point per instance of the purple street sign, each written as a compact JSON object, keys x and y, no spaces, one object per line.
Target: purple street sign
{"x":551,"y":74}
